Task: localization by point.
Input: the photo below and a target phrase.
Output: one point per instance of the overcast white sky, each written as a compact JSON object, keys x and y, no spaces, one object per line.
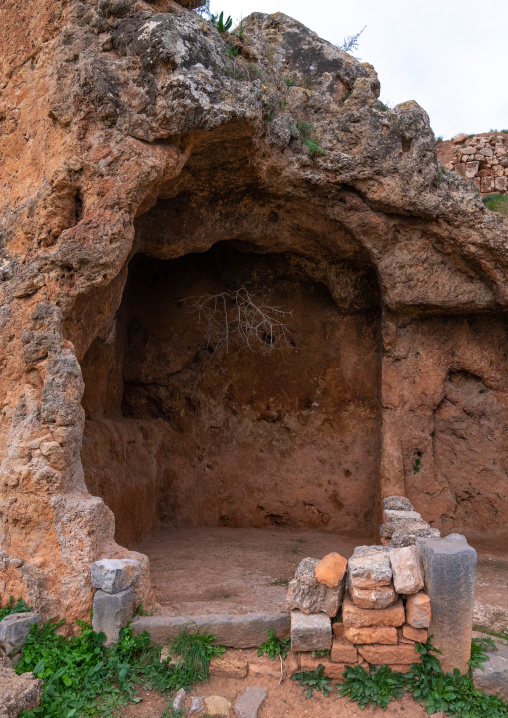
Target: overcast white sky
{"x":451,"y":56}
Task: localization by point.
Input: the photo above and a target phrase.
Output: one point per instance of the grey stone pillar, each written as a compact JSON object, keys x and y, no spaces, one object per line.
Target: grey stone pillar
{"x":450,"y":572}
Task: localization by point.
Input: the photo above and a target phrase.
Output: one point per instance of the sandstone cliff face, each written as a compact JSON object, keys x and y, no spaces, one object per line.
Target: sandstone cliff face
{"x":133,"y":140}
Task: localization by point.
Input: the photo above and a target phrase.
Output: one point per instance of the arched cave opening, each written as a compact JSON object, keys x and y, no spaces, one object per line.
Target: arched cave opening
{"x":282,"y":435}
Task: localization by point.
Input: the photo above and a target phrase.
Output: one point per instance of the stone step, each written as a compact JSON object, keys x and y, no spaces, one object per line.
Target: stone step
{"x":244,"y":630}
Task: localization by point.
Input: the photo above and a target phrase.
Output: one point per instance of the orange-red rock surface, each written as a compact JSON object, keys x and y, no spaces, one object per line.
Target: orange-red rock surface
{"x":132,"y":143}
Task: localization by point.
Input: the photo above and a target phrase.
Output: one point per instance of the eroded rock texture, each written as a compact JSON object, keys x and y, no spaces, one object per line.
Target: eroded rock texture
{"x":143,"y":164}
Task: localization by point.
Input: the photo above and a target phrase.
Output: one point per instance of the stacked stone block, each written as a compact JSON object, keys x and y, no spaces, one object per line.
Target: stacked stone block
{"x":113,"y":604}
{"x":389,"y":596}
{"x":483,"y":158}
{"x":402,"y":525}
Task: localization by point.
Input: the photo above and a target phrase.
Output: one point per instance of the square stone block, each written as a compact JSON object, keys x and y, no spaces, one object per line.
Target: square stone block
{"x":113,"y":575}
{"x":310,"y":633}
{"x":111,"y":612}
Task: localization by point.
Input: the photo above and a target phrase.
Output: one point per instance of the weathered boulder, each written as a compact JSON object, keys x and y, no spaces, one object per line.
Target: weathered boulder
{"x":308,"y":595}
{"x":17,"y":692}
{"x":14,"y":630}
{"x":407,"y":569}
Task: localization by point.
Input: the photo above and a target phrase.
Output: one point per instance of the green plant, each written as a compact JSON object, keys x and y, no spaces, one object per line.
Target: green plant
{"x":306,"y":130}
{"x":505,"y":132}
{"x":232,"y":51}
{"x":313,"y":680}
{"x":319,"y":654}
{"x":385,"y":106}
{"x":479,"y":654}
{"x":283,"y":104}
{"x":171,"y":712}
{"x":346,"y":96}
{"x":451,"y":693}
{"x":83,"y":678}
{"x":496,"y":202}
{"x":417,"y":462}
{"x":280,"y":582}
{"x":193,"y":653}
{"x":12,"y":606}
{"x":274,"y":646}
{"x":377,"y":688}
{"x":439,"y":139}
{"x":289,"y":83}
{"x":219,"y":23}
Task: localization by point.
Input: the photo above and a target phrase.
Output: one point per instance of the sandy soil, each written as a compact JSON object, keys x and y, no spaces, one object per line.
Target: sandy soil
{"x":491,"y":596}
{"x":229,"y":570}
{"x":217,"y":570}
{"x":284,"y":701}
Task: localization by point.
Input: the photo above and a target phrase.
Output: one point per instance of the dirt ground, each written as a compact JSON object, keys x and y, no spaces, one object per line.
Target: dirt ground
{"x":215,"y":570}
{"x":284,"y":701}
{"x":230,"y":570}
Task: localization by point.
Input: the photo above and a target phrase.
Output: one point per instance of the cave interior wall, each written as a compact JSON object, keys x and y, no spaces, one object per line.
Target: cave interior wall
{"x":280,"y":434}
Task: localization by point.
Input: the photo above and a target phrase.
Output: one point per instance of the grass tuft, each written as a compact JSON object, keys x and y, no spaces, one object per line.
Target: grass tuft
{"x":496,"y":202}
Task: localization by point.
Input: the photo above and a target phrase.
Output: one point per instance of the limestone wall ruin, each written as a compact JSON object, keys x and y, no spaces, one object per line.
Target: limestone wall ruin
{"x":482,"y":157}
{"x":133,"y":143}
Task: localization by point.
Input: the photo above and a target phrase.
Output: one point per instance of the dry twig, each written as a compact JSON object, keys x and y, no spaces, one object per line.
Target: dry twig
{"x":235,"y":313}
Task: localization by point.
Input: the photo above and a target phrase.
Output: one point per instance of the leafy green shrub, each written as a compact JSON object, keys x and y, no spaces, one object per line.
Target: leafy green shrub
{"x":14,"y":607}
{"x":451,"y":693}
{"x":479,"y":654}
{"x":439,"y":139}
{"x":83,"y":678}
{"x":496,"y":202}
{"x":219,"y":23}
{"x":377,"y":688}
{"x":274,"y":646}
{"x":313,"y":680}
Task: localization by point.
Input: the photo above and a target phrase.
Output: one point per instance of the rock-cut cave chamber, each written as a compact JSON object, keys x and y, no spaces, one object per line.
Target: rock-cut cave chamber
{"x":281,"y":433}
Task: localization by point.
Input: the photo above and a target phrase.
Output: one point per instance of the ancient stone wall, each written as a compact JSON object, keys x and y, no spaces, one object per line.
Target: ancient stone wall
{"x":128,"y":129}
{"x":482,"y":157}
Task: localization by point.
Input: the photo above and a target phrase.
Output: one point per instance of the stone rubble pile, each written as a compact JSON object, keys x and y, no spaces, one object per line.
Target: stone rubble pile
{"x":402,"y":525}
{"x":483,"y":158}
{"x":385,"y":610}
